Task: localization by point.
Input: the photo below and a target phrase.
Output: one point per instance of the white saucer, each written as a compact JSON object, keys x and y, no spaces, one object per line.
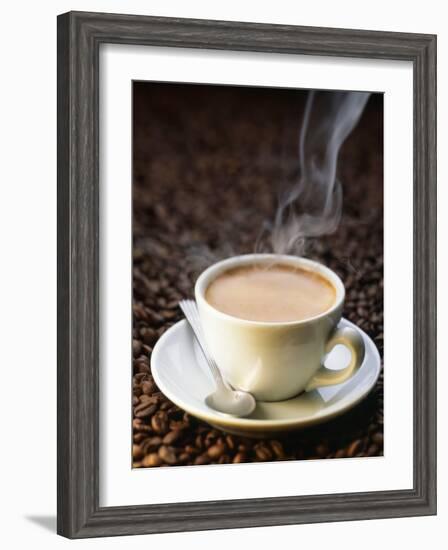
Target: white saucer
{"x":181,"y":373}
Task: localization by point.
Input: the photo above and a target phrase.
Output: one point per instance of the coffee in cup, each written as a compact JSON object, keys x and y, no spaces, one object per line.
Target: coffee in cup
{"x":271,"y":293}
{"x":270,"y":320}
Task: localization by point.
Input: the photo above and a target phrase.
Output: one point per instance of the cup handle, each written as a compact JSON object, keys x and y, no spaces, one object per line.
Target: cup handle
{"x":350,"y":338}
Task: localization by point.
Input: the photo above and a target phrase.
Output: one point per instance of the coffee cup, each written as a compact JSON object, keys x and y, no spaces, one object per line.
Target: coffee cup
{"x":276,"y":358}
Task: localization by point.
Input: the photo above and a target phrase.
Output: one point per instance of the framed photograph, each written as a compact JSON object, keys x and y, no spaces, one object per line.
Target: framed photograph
{"x":246,"y":274}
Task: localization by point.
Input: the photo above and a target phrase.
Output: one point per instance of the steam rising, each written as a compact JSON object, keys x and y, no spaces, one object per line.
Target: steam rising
{"x":312,"y":208}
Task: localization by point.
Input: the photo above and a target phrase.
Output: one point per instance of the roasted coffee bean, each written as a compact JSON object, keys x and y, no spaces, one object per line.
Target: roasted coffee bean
{"x":183,"y":458}
{"x":215,"y":451}
{"x":172,"y":437}
{"x":354,"y":448}
{"x":148,"y":335}
{"x":141,"y":367}
{"x":155,"y":318}
{"x":139,"y":312}
{"x":144,"y":410}
{"x":139,"y":426}
{"x":178,"y":425}
{"x":159,"y":395}
{"x":277,"y":447}
{"x":168,"y":315}
{"x":159,"y":422}
{"x":151,"y":444}
{"x":262,"y":452}
{"x":151,"y":460}
{"x":147,"y":387}
{"x":138,"y":437}
{"x":136,"y":347}
{"x":238,"y":458}
{"x":173,"y":410}
{"x":136,"y":423}
{"x":202,"y":459}
{"x":137,"y":452}
{"x":167,"y":454}
{"x":147,"y":400}
{"x":190,"y":449}
{"x":139,"y":377}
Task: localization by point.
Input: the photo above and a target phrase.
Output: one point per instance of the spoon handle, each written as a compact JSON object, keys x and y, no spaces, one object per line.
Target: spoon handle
{"x":191,"y":313}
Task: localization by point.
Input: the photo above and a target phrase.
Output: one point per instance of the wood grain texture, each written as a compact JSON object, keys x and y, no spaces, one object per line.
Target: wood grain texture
{"x":79,"y":38}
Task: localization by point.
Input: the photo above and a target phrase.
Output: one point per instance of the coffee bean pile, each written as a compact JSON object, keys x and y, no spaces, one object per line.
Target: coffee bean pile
{"x":207,"y":161}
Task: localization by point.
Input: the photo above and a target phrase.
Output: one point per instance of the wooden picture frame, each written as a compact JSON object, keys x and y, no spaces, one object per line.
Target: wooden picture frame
{"x":79,"y":38}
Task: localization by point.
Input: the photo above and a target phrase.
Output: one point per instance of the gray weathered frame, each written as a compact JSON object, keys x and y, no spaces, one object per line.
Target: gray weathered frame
{"x":79,"y":38}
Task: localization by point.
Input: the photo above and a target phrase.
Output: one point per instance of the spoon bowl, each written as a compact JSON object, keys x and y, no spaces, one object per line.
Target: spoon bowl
{"x":234,"y":402}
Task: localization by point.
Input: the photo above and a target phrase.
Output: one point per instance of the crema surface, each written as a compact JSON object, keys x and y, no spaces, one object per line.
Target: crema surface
{"x":277,"y":293}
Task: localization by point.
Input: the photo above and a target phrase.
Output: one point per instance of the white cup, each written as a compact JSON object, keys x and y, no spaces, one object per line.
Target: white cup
{"x":277,"y":360}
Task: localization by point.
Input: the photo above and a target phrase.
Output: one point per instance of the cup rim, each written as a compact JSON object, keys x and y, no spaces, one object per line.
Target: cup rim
{"x":211,"y":272}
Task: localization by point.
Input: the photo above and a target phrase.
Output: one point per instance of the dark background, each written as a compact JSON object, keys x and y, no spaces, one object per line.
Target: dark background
{"x":208,"y":165}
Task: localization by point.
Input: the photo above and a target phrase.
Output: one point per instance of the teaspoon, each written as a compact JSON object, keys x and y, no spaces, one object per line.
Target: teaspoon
{"x":223,"y":399}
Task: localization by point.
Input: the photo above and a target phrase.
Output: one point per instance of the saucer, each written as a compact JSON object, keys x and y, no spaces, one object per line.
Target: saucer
{"x":181,"y":373}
